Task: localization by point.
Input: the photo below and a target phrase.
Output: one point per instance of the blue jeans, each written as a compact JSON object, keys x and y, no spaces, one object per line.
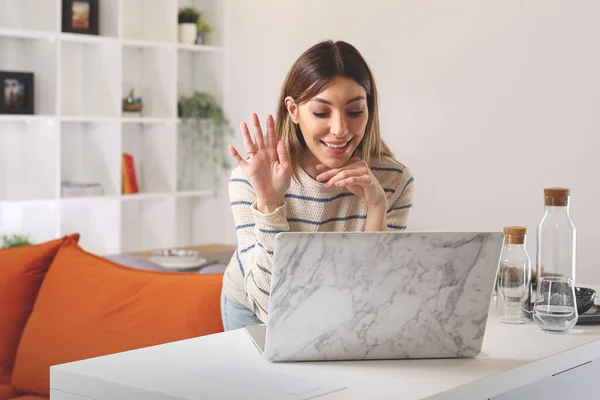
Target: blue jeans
{"x":236,"y":316}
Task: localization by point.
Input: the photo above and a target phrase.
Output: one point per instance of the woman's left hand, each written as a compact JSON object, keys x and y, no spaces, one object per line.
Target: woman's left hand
{"x":358,"y":178}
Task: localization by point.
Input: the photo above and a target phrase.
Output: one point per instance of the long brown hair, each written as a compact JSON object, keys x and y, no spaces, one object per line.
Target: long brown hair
{"x":307,"y":77}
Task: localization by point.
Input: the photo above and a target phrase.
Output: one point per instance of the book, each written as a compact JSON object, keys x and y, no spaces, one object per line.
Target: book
{"x":129,"y":177}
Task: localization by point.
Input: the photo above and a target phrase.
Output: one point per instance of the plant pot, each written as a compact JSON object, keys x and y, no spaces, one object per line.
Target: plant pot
{"x":188,"y":33}
{"x":210,"y":38}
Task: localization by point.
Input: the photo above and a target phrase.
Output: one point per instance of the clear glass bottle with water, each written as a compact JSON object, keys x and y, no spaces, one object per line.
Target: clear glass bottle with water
{"x":556,"y":237}
{"x":514,"y":277}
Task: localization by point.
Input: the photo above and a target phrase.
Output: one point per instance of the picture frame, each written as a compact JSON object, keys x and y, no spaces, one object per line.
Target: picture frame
{"x":80,"y":16}
{"x":16,"y":92}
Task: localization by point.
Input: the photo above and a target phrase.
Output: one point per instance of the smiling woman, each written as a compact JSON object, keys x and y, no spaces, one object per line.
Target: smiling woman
{"x":322,"y":167}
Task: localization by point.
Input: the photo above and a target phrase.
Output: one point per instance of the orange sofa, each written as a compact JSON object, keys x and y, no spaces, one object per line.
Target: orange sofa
{"x":59,"y":303}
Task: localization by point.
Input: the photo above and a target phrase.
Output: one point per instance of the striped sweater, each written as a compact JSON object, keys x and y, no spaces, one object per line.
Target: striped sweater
{"x":308,"y":207}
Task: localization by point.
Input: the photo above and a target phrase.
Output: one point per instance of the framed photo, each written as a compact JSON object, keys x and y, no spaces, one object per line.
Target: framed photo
{"x":80,"y":16}
{"x":16,"y":92}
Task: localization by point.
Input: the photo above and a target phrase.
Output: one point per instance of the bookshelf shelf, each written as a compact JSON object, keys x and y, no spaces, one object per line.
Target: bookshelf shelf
{"x":78,"y":131}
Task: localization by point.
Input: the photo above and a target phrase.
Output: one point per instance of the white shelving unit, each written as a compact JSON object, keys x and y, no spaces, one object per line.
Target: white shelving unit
{"x":78,"y":131}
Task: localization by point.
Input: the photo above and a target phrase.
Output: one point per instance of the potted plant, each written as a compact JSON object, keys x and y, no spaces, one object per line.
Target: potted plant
{"x":203,"y":30}
{"x":187,"y":24}
{"x":203,"y":136}
{"x":15,"y":240}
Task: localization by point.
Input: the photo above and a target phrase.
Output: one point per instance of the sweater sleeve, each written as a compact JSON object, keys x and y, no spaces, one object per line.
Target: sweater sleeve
{"x":397,"y":214}
{"x":255,"y":233}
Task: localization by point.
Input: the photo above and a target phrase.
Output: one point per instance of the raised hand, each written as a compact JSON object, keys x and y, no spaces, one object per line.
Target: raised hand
{"x":267,"y":164}
{"x":358,"y":178}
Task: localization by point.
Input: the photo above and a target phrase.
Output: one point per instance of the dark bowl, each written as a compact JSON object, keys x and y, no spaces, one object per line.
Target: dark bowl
{"x":585,"y":299}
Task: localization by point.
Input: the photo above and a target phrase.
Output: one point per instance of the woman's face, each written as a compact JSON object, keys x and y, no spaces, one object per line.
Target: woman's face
{"x":333,"y":122}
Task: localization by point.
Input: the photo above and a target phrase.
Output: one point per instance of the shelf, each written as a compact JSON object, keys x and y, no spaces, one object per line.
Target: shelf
{"x":146,"y":44}
{"x":147,"y":224}
{"x":150,"y":72}
{"x":96,"y":221}
{"x":195,"y":193}
{"x":26,"y":119}
{"x":153,"y":149}
{"x":91,"y":153}
{"x":78,"y":131}
{"x":145,"y":196}
{"x":81,"y":38}
{"x":88,"y":119}
{"x":86,"y":199}
{"x":25,"y":54}
{"x":150,"y":20}
{"x":38,"y":15}
{"x":39,"y":220}
{"x":27,"y":34}
{"x":146,"y":120}
{"x":199,"y":48}
{"x":90,"y":77}
{"x":28,"y":160}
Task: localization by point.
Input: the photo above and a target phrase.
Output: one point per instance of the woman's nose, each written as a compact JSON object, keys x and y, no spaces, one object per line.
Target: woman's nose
{"x":339,"y":127}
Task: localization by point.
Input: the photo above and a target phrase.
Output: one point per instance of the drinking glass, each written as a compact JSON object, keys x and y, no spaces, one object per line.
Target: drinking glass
{"x":555,"y":309}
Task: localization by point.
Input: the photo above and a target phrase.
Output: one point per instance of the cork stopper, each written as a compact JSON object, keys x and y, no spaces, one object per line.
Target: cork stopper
{"x":556,"y":196}
{"x":514,"y":234}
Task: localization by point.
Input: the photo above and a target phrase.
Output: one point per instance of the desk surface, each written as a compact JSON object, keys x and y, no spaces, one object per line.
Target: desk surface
{"x":202,"y":249}
{"x":512,"y":356}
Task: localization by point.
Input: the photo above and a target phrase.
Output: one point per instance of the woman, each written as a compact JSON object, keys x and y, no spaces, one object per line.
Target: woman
{"x":322,"y":167}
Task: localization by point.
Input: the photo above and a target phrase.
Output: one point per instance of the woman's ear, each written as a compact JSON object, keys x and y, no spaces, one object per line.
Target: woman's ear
{"x":292,"y":108}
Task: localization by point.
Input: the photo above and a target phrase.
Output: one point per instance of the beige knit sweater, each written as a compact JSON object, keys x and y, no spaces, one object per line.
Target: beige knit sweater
{"x":308,"y":207}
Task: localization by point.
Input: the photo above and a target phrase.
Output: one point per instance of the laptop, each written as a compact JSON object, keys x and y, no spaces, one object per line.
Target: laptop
{"x":378,"y":295}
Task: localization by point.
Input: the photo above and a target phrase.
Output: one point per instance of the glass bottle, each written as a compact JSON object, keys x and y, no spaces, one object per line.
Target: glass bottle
{"x":556,"y":237}
{"x":514,"y":283}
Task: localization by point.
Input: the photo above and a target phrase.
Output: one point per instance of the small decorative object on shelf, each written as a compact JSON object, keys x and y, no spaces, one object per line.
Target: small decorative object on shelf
{"x":205,"y":130}
{"x":204,"y":29}
{"x":15,"y":240}
{"x":132,"y":103}
{"x":187,"y":24}
{"x":17,"y":92}
{"x":80,"y":16}
{"x":81,"y":189}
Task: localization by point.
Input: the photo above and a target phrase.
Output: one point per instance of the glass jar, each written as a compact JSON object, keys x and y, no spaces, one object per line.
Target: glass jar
{"x":556,"y":237}
{"x":514,"y":277}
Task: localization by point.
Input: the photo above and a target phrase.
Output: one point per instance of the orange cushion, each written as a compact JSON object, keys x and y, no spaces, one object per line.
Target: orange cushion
{"x":29,"y":397}
{"x":89,"y":306}
{"x":6,"y":392}
{"x":22,"y":271}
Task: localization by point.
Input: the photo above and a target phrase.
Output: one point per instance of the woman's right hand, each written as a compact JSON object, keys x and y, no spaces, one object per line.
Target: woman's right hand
{"x":267,"y":165}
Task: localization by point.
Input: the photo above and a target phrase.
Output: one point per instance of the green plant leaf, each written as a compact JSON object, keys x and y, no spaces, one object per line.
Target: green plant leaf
{"x":206,"y":129}
{"x":16,"y":240}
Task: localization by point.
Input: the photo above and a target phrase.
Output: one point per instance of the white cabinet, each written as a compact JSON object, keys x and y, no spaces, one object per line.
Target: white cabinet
{"x":78,"y":131}
{"x":574,"y":383}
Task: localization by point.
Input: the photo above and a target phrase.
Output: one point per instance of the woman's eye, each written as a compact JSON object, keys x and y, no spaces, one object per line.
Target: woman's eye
{"x":320,"y":114}
{"x":355,"y":113}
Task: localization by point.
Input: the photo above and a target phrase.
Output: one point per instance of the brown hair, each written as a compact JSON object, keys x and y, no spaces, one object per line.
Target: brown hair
{"x":307,"y":77}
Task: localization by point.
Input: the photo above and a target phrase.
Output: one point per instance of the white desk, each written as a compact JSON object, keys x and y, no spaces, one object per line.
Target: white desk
{"x":516,"y":363}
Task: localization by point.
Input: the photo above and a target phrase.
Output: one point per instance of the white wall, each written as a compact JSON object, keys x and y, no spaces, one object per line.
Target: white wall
{"x":487,"y":101}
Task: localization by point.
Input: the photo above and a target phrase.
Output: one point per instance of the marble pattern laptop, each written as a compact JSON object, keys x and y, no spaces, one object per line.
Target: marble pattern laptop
{"x":379,"y":295}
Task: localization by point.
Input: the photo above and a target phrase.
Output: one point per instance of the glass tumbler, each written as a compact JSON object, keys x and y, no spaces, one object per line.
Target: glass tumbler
{"x":555,"y":309}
